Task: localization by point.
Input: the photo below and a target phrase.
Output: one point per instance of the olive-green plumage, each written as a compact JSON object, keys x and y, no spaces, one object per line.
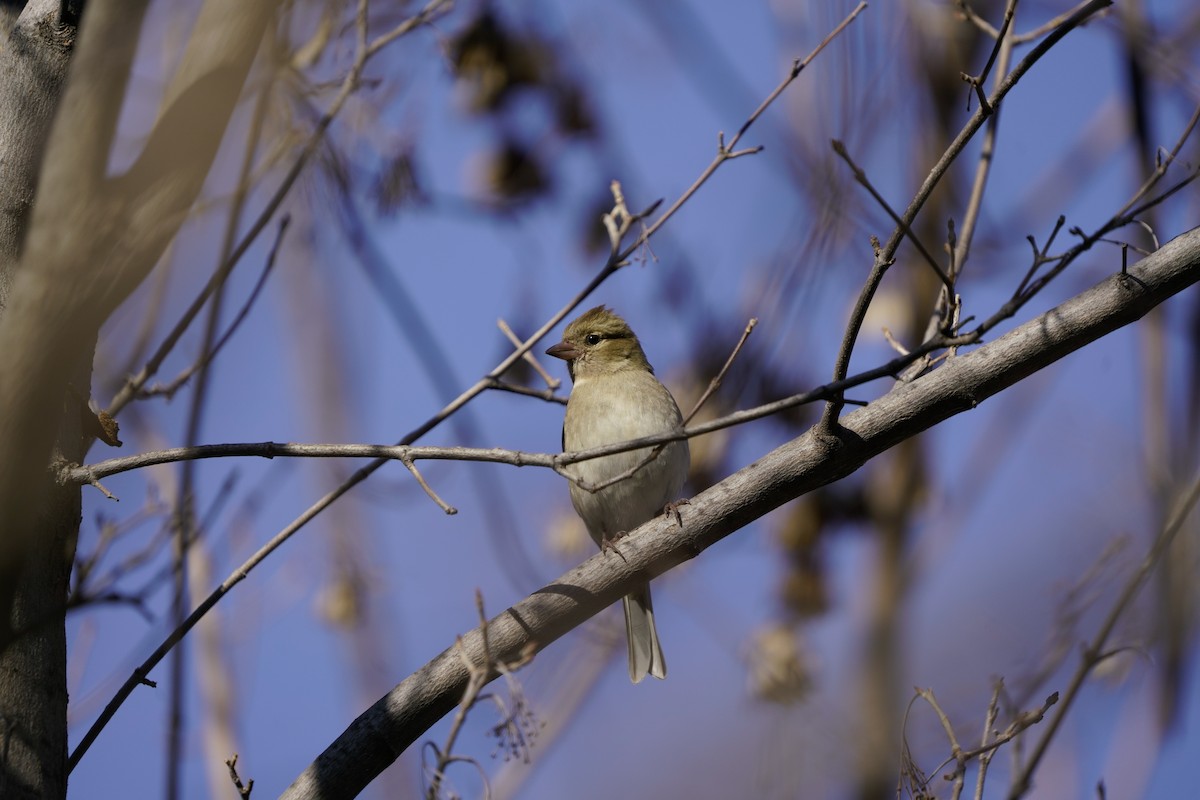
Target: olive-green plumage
{"x":614,"y":398}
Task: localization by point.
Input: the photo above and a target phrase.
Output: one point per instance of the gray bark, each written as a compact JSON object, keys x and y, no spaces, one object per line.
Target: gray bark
{"x":34,"y":52}
{"x":66,"y":262}
{"x":34,"y":56}
{"x":388,"y":728}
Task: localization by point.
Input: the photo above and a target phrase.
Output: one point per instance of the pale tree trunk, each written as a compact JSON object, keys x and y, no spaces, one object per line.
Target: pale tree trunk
{"x":69,"y":255}
{"x":35,"y":49}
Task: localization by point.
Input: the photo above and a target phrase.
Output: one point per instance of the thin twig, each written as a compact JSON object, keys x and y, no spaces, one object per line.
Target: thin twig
{"x":75,"y":474}
{"x":1049,"y":25}
{"x":1001,"y":56}
{"x":183,"y":377}
{"x":1002,"y":43}
{"x":551,"y":382}
{"x":349,"y":85}
{"x":1094,"y":651}
{"x":715,"y":383}
{"x":542,"y":394}
{"x":1160,"y":168}
{"x":442,"y":504}
{"x":979,"y":22}
{"x":725,"y":151}
{"x":886,"y":257}
{"x":960,"y":757}
{"x":989,"y":723}
{"x":480,"y":676}
{"x":861,"y":176}
{"x":960,"y":766}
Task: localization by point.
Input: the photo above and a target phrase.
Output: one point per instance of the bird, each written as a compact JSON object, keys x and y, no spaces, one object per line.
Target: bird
{"x":615,"y":397}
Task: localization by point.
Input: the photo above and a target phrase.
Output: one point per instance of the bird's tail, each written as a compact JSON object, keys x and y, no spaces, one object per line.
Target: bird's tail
{"x":645,"y":653}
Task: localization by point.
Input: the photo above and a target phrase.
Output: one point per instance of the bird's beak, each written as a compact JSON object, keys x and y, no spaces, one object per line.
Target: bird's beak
{"x":564,"y":350}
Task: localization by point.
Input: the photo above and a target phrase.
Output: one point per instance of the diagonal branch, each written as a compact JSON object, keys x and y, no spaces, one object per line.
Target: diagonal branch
{"x":887,"y":254}
{"x":399,"y":718}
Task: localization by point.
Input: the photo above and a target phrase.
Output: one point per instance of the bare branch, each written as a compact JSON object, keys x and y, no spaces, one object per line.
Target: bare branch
{"x":887,"y":255}
{"x":726,"y":152}
{"x":442,"y":504}
{"x":373,"y":741}
{"x":715,"y":383}
{"x":865,"y":182}
{"x":551,"y":382}
{"x":1095,"y":651}
{"x":206,"y":358}
{"x":349,"y":85}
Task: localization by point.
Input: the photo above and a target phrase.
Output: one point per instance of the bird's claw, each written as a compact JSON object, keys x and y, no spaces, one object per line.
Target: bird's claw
{"x":672,"y":509}
{"x":609,"y":544}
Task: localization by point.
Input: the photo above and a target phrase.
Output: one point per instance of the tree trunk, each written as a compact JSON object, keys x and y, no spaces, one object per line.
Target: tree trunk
{"x":34,"y":569}
{"x":69,"y":255}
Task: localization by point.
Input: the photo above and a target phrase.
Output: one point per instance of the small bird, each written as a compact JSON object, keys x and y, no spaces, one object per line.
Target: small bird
{"x":614,"y":398}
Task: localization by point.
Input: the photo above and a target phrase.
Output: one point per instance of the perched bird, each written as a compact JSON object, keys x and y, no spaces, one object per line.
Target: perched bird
{"x":614,"y":398}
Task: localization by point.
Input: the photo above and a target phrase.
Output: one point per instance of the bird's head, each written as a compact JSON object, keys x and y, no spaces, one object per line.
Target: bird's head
{"x":599,"y":342}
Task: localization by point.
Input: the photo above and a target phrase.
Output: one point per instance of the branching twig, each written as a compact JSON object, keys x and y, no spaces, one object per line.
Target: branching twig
{"x":551,"y":382}
{"x":242,"y":790}
{"x":887,"y":255}
{"x":859,"y":175}
{"x":725,"y":152}
{"x":715,"y":383}
{"x":1002,"y":43}
{"x":480,"y":676}
{"x":349,"y":85}
{"x":442,"y":504}
{"x":960,"y":757}
{"x":182,"y":378}
{"x":1095,"y":651}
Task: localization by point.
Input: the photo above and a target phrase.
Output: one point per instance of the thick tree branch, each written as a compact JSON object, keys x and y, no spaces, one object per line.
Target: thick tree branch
{"x":388,"y":728}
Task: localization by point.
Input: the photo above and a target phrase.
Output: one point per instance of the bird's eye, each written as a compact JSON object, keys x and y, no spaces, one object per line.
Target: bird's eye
{"x":592,"y":339}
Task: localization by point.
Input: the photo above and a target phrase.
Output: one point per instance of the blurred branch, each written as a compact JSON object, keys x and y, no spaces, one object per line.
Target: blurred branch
{"x":480,"y":675}
{"x":1001,"y":56}
{"x":382,"y":732}
{"x":209,"y":354}
{"x":919,"y":783}
{"x":1096,"y":650}
{"x":715,"y":383}
{"x":727,"y":152}
{"x":1051,"y":24}
{"x":551,"y":383}
{"x":865,"y":182}
{"x":885,"y":257}
{"x":349,"y":85}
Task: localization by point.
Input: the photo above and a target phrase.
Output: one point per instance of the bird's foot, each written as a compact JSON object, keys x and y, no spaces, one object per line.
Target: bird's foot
{"x":672,"y":510}
{"x":609,"y":544}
